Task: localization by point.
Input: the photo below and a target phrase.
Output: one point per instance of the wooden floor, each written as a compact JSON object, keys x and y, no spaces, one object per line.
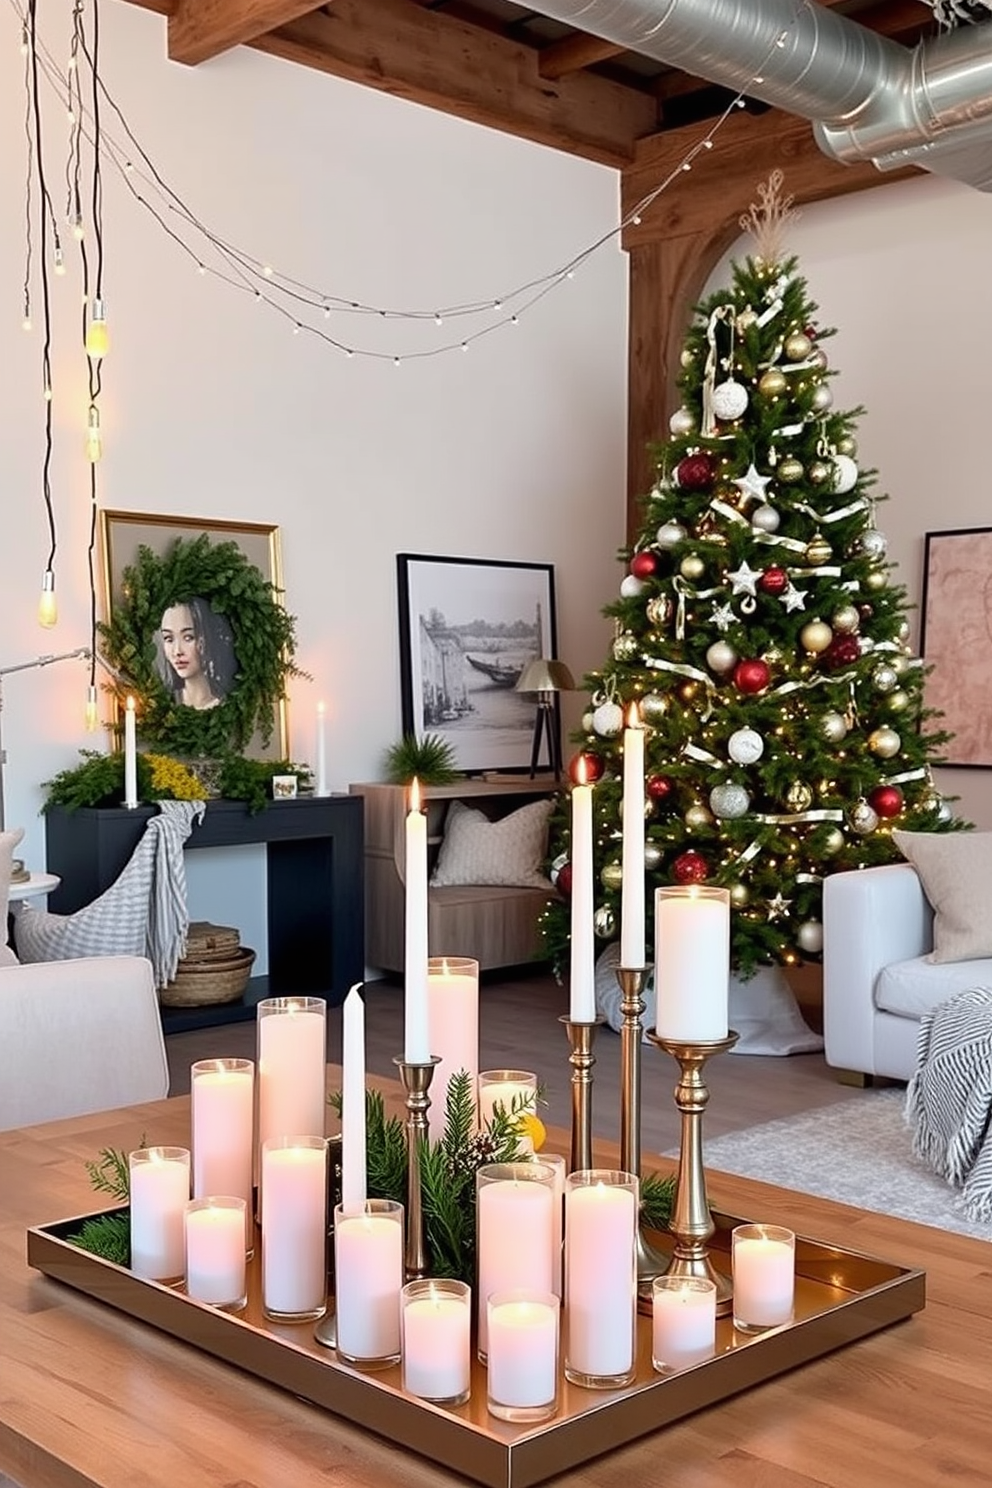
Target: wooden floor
{"x":519,"y":1029}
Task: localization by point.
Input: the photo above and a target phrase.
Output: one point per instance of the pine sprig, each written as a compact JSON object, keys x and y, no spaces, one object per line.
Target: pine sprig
{"x":107,"y":1236}
{"x":657,"y":1200}
{"x":110,"y":1174}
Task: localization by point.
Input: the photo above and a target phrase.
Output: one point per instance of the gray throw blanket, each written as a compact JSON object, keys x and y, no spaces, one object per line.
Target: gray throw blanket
{"x":949,"y":1099}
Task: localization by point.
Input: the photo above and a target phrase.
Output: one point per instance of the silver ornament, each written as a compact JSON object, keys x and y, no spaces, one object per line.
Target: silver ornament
{"x":652,"y":855}
{"x":845,"y":474}
{"x":822,"y":397}
{"x":625,"y":647}
{"x":670,"y":534}
{"x":884,"y":742}
{"x":654,"y":706}
{"x":833,"y":841}
{"x":903,"y":631}
{"x":765,"y":518}
{"x":872,"y":543}
{"x":587,"y":721}
{"x":865,"y":645}
{"x":631,"y":586}
{"x":729,"y":399}
{"x":819,"y":472}
{"x":845,"y":619}
{"x":721,"y":657}
{"x":862,"y":818}
{"x":818,"y":358}
{"x":833,"y":727}
{"x":809,"y":937}
{"x":682,"y":421}
{"x":745,"y":746}
{"x":885,"y":677}
{"x":729,"y":802}
{"x":607,"y":720}
{"x":944,"y":812}
{"x":604,"y":922}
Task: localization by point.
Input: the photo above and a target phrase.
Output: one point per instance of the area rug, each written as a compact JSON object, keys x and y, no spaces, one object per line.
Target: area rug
{"x":858,"y":1151}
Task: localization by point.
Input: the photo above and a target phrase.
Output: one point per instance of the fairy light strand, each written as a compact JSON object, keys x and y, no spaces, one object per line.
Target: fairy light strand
{"x":46,"y":349}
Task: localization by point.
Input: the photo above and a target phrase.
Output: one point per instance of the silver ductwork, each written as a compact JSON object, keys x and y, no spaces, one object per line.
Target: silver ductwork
{"x":869,"y":98}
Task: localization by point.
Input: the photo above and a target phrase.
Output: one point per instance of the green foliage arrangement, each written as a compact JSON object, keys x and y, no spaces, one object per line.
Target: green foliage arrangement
{"x":430,"y":759}
{"x":264,"y":644}
{"x":108,"y":1235}
{"x":99,"y":780}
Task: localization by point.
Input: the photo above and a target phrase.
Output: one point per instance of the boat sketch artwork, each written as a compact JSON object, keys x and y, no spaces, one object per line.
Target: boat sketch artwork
{"x":473,"y":626}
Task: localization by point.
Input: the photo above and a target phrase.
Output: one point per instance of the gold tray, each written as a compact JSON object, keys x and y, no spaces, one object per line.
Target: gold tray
{"x":841,"y":1296}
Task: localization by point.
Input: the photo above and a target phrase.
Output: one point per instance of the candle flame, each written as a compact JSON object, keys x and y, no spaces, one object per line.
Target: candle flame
{"x":129,"y":704}
{"x":581,"y":771}
{"x":633,"y":716}
{"x":415,"y":797}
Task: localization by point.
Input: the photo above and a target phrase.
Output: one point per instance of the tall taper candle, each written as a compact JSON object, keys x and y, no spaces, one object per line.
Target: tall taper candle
{"x":582,"y":975}
{"x":416,"y":1033}
{"x":632,"y":902}
{"x":353,"y":1138}
{"x":130,"y":755}
{"x":320,"y":771}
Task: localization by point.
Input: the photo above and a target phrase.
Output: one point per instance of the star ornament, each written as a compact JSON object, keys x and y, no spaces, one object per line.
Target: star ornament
{"x":722,"y":617}
{"x":793,"y":599}
{"x":778,"y":908}
{"x":752,"y":485}
{"x":744,"y":580}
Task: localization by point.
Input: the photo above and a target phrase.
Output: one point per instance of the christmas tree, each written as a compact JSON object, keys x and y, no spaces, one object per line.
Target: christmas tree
{"x":760,"y":635}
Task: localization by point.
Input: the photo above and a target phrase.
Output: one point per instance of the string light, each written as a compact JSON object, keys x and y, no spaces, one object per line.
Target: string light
{"x":97,"y":338}
{"x":94,"y":439}
{"x":92,"y":715}
{"x":48,"y":608}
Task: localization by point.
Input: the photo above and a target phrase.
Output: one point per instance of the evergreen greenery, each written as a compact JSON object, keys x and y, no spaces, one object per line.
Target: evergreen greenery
{"x":430,"y":759}
{"x":99,"y":780}
{"x":108,"y":1235}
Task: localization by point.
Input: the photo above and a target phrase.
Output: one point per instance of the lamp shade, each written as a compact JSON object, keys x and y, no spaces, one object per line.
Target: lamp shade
{"x":544,"y":675}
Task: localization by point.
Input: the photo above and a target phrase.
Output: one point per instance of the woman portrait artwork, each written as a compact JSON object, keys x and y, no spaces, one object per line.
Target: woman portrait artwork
{"x":196,"y":658}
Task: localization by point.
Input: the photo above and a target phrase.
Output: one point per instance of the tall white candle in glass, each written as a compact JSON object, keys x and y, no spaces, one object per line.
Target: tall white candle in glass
{"x":292,"y":1062}
{"x":514,"y":1232}
{"x":416,"y":1030}
{"x":353,"y":1121}
{"x":522,"y":1368}
{"x":222,"y":1106}
{"x":582,"y":956}
{"x":215,"y":1251}
{"x":294,"y":1227}
{"x":436,"y":1328}
{"x":453,"y":1027}
{"x":130,"y":754}
{"x":600,"y":1277}
{"x":368,"y":1280}
{"x":632,"y":900}
{"x":320,"y":787}
{"x":159,"y":1193}
{"x":692,"y":962}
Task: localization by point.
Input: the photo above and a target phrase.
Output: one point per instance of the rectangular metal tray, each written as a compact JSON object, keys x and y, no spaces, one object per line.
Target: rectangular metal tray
{"x":841,"y":1296}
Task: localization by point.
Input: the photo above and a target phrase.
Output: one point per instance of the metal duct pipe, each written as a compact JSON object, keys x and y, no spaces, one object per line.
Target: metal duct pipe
{"x":868,"y":97}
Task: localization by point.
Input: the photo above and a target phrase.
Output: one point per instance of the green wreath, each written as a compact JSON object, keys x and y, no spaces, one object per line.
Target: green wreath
{"x":258,"y":634}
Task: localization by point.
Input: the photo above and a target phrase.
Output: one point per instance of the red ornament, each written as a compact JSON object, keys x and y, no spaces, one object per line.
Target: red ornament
{"x":695,"y":472}
{"x":842,"y":651}
{"x":774,"y":581}
{"x":752,"y":676}
{"x":593,"y":768}
{"x":885,"y":800}
{"x":644,"y":564}
{"x":690,"y":867}
{"x":866,"y":611}
{"x":811,"y":332}
{"x":660,"y":787}
{"x":563,"y":882}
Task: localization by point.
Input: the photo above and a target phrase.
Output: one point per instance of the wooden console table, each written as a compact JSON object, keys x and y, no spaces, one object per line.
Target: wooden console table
{"x":314,"y":849}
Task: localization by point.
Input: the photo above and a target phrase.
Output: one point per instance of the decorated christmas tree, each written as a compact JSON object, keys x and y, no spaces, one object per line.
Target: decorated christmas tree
{"x":760,"y":634}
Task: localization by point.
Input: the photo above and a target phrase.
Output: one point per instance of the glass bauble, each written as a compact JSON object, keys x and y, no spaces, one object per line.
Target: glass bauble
{"x":819,"y":472}
{"x":729,"y":802}
{"x":625,"y":648}
{"x":790,"y":470}
{"x":631,"y":587}
{"x":604,"y":922}
{"x":752,"y":677}
{"x":690,"y":867}
{"x":774,"y":580}
{"x":772,"y":384}
{"x":822,"y":397}
{"x":698,"y":817}
{"x":797,"y":346}
{"x":730,"y":399}
{"x":816,"y":636}
{"x":654,"y":706}
{"x":886,"y":800}
{"x":739,"y":895}
{"x":884,"y":742}
{"x":809,"y":937}
{"x":898,"y":701}
{"x":653,"y":855}
{"x":845,"y":619}
{"x":885,"y":677}
{"x":863,"y":818}
{"x":692,"y":567}
{"x":659,"y":609}
{"x":644,"y":564}
{"x":799,"y":796}
{"x":833,"y":727}
{"x":872,"y":543}
{"x":818,"y":551}
{"x":607,"y":719}
{"x":670,"y":534}
{"x":585,"y":768}
{"x":833,"y":841}
{"x":695,"y":472}
{"x":765,"y":518}
{"x":847,"y":445}
{"x":721,"y":657}
{"x":682,"y":422}
{"x":875,"y":578}
{"x":659,"y":787}
{"x":611,"y":875}
{"x":845,"y":474}
{"x":745,"y":746}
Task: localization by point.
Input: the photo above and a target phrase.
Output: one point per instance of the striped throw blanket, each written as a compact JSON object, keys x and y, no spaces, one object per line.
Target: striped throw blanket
{"x":949,"y":1099}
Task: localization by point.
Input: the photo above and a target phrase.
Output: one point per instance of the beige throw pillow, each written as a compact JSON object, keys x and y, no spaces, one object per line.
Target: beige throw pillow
{"x":8,"y":843}
{"x":510,"y":851}
{"x":955,"y":869}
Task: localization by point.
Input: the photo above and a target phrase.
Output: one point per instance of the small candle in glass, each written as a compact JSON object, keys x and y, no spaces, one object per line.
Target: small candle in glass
{"x":215,"y":1251}
{"x":294,"y":1228}
{"x":600,"y":1277}
{"x":222,"y":1100}
{"x":435,"y":1335}
{"x":159,"y":1193}
{"x":764,"y":1271}
{"x":522,"y":1374}
{"x":514,"y":1091}
{"x":368,"y":1279}
{"x":683,"y":1328}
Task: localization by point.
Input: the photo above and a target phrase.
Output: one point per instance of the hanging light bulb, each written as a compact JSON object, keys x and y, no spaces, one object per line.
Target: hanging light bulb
{"x":48,"y":610}
{"x":92,"y":709}
{"x":97,"y":339}
{"x":94,"y":439}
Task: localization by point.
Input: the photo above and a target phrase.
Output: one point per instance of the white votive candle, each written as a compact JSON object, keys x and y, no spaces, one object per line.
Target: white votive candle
{"x":222,"y":1106}
{"x":683,"y":1321}
{"x":368,"y":1279}
{"x":764,"y":1272}
{"x":159,"y":1193}
{"x":600,"y":1277}
{"x":522,"y":1374}
{"x":515,"y":1232}
{"x":215,"y":1251}
{"x":453,"y":1027}
{"x":294,"y":1227}
{"x":692,"y":962}
{"x":436,"y":1327}
{"x":292,"y":1063}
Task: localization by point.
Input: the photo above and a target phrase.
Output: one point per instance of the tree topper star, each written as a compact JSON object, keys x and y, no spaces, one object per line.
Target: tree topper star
{"x":778,"y":908}
{"x":753,"y":485}
{"x":793,"y":599}
{"x":744,"y":580}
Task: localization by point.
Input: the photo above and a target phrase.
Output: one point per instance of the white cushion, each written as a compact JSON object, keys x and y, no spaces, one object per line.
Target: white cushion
{"x":912,"y":989}
{"x":8,"y":842}
{"x":955,"y":869}
{"x":510,"y":851}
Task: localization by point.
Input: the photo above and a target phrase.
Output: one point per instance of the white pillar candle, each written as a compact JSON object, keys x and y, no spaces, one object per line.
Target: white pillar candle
{"x":582,"y":957}
{"x":632,"y":901}
{"x":683,"y":1321}
{"x":368,"y":1279}
{"x":453,"y":1027}
{"x":215,"y":1251}
{"x":436,"y":1328}
{"x":523,"y":1355}
{"x":559,"y":1168}
{"x":292,"y":1063}
{"x":353,"y":1133}
{"x":294,"y":1227}
{"x":692,"y":963}
{"x":130,"y":755}
{"x":320,"y":786}
{"x":764,"y":1269}
{"x":600,"y":1275}
{"x":222,"y":1106}
{"x":514,"y":1232}
{"x":416,"y":1031}
{"x":159,"y":1193}
{"x":515,"y":1091}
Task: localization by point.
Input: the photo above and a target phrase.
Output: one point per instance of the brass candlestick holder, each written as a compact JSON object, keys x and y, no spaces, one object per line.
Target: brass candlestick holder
{"x":582,"y":1059}
{"x":416,"y":1080}
{"x":692,"y":1223}
{"x":632,"y":981}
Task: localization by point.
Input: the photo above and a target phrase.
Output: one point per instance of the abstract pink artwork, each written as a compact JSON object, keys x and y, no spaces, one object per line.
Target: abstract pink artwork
{"x":957,"y":640}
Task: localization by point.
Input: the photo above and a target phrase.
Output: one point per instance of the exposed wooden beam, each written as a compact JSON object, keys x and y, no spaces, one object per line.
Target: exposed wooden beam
{"x":573,"y":53}
{"x":201,"y":29}
{"x":432,"y":59}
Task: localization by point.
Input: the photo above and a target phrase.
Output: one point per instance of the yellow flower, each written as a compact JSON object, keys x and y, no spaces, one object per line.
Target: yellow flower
{"x":171,"y":780}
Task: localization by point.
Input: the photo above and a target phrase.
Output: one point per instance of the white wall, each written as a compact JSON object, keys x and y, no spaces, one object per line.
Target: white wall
{"x":212,"y":408}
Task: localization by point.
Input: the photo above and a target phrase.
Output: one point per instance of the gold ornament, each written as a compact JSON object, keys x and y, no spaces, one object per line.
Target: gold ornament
{"x":698,"y":817}
{"x":625,"y":646}
{"x":692,"y":566}
{"x":847,"y":445}
{"x":721,"y":657}
{"x":845,"y":619}
{"x":790,"y":470}
{"x":659,"y":609}
{"x":898,"y":701}
{"x":687,"y":357}
{"x":687,"y":691}
{"x":653,"y":707}
{"x":816,"y":636}
{"x":875,"y":578}
{"x":772,"y":384}
{"x":833,"y":727}
{"x":809,"y":937}
{"x":885,"y":677}
{"x":833,"y":841}
{"x":611,"y":876}
{"x":799,"y":797}
{"x":739,"y":895}
{"x":818,"y":551}
{"x":797,"y":346}
{"x":746,"y":319}
{"x":884,"y":742}
{"x":819,"y":472}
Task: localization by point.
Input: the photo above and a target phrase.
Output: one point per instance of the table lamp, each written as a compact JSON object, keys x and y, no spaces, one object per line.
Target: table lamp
{"x":547,"y":678}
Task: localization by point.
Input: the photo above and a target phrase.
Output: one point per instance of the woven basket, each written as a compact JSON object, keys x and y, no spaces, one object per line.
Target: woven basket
{"x":206,"y":983}
{"x":207,"y":942}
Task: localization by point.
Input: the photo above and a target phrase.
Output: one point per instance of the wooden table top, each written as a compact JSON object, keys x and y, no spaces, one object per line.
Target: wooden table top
{"x":91,"y":1397}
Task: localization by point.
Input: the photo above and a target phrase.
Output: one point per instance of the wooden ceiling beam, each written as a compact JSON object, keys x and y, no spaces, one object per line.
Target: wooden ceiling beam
{"x":573,"y":53}
{"x":201,"y":29}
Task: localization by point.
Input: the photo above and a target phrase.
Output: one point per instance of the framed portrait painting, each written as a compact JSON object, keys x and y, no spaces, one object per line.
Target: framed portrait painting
{"x":196,"y":628}
{"x":956,"y":640}
{"x":468,"y":627}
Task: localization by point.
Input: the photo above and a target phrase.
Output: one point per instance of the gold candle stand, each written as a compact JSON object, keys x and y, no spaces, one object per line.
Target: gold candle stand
{"x":582,"y":1059}
{"x":632,"y":982}
{"x":416,"y":1080}
{"x":692,"y":1223}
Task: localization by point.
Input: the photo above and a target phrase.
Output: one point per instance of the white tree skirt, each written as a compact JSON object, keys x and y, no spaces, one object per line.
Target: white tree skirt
{"x":763,"y":1010}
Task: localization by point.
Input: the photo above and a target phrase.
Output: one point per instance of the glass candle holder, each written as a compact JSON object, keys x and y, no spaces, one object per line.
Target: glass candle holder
{"x":368,"y":1280}
{"x":600,"y":1278}
{"x":222,"y":1117}
{"x":764,"y":1272}
{"x":522,"y":1373}
{"x":215,"y":1251}
{"x":692,"y":962}
{"x":683,"y":1328}
{"x":515,"y":1091}
{"x":515,"y":1232}
{"x":159,"y":1186}
{"x":292,"y":1064}
{"x":435,"y":1339}
{"x":453,"y":1018}
{"x":294,"y":1228}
